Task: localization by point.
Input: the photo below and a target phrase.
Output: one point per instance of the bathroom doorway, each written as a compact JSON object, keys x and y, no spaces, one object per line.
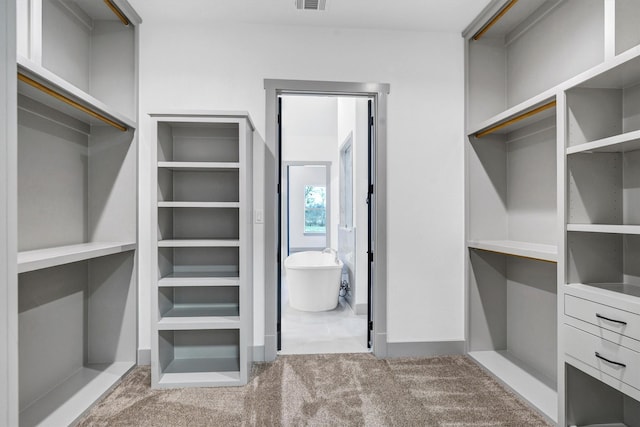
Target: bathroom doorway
{"x":325,"y":172}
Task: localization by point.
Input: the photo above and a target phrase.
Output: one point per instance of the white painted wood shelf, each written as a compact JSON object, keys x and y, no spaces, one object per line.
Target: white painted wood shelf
{"x":197,"y":321}
{"x":67,"y":402}
{"x":515,"y":248}
{"x":200,"y":166}
{"x":52,"y":257}
{"x":525,"y":383}
{"x":172,"y":282}
{"x":199,"y":243}
{"x":604,"y":228}
{"x":52,"y":81}
{"x":221,"y":205}
{"x":629,"y":141}
{"x":202,"y":379}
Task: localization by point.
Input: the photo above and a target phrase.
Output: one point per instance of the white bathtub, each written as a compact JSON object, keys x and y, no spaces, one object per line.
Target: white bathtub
{"x":313,"y":279}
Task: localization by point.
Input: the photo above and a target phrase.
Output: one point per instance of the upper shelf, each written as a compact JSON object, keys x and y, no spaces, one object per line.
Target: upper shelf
{"x":515,"y":248}
{"x":620,"y":72}
{"x":524,"y":114}
{"x":629,"y":141}
{"x":64,"y":89}
{"x":52,"y":257}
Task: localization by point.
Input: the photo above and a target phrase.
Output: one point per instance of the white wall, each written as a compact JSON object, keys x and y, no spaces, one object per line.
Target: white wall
{"x":202,"y":66}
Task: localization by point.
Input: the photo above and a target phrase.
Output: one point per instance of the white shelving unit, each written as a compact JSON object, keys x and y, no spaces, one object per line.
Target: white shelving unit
{"x":76,"y":177}
{"x":202,"y":304}
{"x":552,"y":204}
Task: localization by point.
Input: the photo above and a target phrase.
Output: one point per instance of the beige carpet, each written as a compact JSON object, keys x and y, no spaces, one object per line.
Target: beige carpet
{"x":325,"y":390}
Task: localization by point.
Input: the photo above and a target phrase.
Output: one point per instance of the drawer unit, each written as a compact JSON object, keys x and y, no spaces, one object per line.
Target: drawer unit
{"x":603,"y":316}
{"x":608,"y":357}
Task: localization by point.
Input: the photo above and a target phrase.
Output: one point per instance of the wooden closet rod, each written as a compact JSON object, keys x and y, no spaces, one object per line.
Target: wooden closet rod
{"x":117,"y":12}
{"x":516,"y":119}
{"x":70,"y":102}
{"x":493,"y":20}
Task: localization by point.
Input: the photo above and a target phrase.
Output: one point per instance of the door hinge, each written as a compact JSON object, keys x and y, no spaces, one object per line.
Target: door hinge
{"x":370,"y":256}
{"x":279,"y":119}
{"x":371,"y":325}
{"x":278,"y":189}
{"x":370,"y":188}
{"x":371,"y":121}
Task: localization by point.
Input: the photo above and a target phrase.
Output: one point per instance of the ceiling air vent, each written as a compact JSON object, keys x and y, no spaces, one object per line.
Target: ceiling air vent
{"x":311,"y":4}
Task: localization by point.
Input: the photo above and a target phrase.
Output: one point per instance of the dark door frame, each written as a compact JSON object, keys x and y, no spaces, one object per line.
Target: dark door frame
{"x":378,"y":92}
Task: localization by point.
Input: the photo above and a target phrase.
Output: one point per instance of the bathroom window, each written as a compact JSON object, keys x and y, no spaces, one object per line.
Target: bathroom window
{"x":315,"y":209}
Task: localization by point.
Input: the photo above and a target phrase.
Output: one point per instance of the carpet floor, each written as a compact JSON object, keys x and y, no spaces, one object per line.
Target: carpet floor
{"x":325,"y":390}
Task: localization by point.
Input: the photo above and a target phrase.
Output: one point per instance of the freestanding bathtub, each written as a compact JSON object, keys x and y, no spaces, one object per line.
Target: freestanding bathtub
{"x":313,"y":279}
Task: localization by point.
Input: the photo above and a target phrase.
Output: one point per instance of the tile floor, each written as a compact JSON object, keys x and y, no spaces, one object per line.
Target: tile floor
{"x":335,"y":331}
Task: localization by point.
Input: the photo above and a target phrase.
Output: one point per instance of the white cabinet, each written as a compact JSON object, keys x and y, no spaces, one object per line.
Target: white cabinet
{"x":76,"y":175}
{"x":552,"y":202}
{"x":202,"y":300}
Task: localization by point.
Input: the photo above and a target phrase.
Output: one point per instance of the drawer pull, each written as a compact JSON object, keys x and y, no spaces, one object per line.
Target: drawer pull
{"x":600,"y":316}
{"x":610,"y":361}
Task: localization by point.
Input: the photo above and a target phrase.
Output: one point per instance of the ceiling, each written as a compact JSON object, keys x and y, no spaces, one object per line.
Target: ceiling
{"x":412,"y":15}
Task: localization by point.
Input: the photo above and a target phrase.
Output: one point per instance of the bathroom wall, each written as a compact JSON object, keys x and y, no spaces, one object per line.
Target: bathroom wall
{"x":309,"y":133}
{"x":299,"y":177}
{"x":222,"y":66}
{"x":352,"y":120}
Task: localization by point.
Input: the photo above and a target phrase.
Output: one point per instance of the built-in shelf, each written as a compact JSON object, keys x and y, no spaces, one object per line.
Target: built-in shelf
{"x":199,"y":243}
{"x":68,"y":401}
{"x":613,"y":289}
{"x":52,"y":81}
{"x":515,"y":248}
{"x":530,"y":386}
{"x":192,"y":319}
{"x":200,"y":166}
{"x":205,"y":378}
{"x":191,"y":280}
{"x":629,"y":141}
{"x":605,"y":228}
{"x":51,"y":257}
{"x":519,"y":110}
{"x":198,"y":205}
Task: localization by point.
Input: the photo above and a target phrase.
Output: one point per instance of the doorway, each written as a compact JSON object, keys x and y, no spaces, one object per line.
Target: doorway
{"x":376,"y":198}
{"x":325,"y":142}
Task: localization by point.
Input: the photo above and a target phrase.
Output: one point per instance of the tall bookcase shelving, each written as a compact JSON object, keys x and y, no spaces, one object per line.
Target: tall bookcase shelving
{"x":202,"y":303}
{"x":76,"y":175}
{"x":551,"y":200}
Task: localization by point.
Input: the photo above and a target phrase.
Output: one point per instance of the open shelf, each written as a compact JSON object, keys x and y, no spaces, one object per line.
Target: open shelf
{"x":211,"y":205}
{"x":525,"y":114}
{"x":219,"y":226}
{"x":538,"y":391}
{"x":199,"y":243}
{"x":605,"y":228}
{"x":50,"y":80}
{"x":51,"y":257}
{"x":199,"y":166}
{"x":202,"y":305}
{"x":528,"y":52}
{"x":629,"y":141}
{"x":197,"y":279}
{"x":591,"y":402}
{"x":67,"y":402}
{"x":514,"y":248}
{"x":210,"y":185}
{"x":208,"y":379}
{"x":190,"y":320}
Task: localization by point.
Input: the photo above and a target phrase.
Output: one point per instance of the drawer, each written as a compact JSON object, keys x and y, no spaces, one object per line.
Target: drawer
{"x":616,"y":361}
{"x":603,"y":316}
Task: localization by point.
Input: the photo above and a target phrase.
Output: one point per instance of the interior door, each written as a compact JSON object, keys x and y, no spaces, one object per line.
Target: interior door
{"x":279,"y":216}
{"x":370,"y":220}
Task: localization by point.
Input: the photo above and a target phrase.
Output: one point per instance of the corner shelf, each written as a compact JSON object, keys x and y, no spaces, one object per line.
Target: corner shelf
{"x":514,"y":248}
{"x":52,"y":257}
